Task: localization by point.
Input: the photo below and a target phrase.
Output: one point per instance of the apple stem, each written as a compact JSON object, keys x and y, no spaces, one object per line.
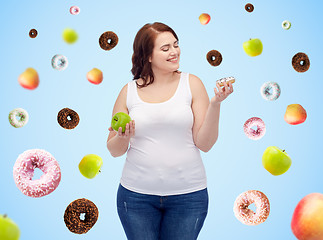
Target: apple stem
{"x":284,"y":150}
{"x":99,"y":171}
{"x":5,"y":215}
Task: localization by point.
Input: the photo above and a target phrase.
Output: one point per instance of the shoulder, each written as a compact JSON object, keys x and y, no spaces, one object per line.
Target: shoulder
{"x":196,"y":85}
{"x":123,"y":91}
{"x":122,"y":97}
{"x":194,"y":79}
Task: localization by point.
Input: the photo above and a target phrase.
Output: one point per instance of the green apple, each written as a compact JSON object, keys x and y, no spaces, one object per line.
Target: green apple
{"x":276,"y":161}
{"x":253,"y":47}
{"x":90,"y":165}
{"x":69,"y":35}
{"x":9,"y":230}
{"x":120,"y":119}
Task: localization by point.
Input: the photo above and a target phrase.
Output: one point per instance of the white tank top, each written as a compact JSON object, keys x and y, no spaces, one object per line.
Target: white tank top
{"x":162,"y":158}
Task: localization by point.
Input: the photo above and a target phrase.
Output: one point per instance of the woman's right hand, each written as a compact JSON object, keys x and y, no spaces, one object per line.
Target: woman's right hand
{"x":129,"y":132}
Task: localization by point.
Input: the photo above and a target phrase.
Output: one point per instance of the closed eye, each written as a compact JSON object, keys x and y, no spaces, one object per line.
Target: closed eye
{"x":165,"y":48}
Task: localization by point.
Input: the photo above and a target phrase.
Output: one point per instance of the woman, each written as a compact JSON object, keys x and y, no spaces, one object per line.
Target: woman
{"x":163,"y":192}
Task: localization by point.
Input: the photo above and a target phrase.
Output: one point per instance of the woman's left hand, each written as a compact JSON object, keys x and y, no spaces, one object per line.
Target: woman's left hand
{"x":222,"y":93}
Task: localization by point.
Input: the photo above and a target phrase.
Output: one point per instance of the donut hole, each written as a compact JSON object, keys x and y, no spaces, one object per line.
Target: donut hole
{"x":19,"y":118}
{"x":37,"y":174}
{"x":70,"y":118}
{"x":213,"y":58}
{"x":252,"y":207}
{"x":82,"y":216}
{"x":109,"y":41}
{"x":302,"y":63}
{"x":255,"y":128}
{"x":269,"y":91}
{"x":61,"y":62}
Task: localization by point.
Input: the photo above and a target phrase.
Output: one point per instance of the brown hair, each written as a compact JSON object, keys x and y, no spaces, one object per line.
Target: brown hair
{"x":142,"y":50}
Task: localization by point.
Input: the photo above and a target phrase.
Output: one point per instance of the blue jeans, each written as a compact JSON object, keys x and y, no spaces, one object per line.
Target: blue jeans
{"x":152,"y":217}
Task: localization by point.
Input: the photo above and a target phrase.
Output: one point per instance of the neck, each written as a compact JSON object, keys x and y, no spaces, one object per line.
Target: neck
{"x":162,"y":77}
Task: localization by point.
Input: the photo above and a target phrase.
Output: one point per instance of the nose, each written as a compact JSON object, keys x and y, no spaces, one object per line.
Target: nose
{"x":173,"y":51}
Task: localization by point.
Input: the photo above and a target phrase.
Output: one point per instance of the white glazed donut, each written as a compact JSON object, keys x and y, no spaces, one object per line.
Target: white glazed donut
{"x":270,"y":91}
{"x":59,"y":62}
{"x":246,"y":215}
{"x":286,"y":24}
{"x":254,"y":122}
{"x":22,"y":114}
{"x":23,"y":172}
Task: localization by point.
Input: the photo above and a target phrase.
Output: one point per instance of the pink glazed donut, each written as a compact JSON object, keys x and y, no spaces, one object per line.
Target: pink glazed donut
{"x":246,"y":215}
{"x":254,"y":134}
{"x":23,"y":172}
{"x":74,"y":10}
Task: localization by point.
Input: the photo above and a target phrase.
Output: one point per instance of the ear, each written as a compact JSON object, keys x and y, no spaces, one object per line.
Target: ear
{"x":149,"y":59}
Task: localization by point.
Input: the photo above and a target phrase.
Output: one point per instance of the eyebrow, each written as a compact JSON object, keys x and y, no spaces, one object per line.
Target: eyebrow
{"x":167,"y":45}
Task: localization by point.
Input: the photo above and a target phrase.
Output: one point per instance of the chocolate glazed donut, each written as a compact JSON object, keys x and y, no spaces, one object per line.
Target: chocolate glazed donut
{"x":33,"y":33}
{"x":214,"y":57}
{"x":249,"y":7}
{"x":108,"y":40}
{"x":68,"y":118}
{"x":301,"y":62}
{"x":73,"y":212}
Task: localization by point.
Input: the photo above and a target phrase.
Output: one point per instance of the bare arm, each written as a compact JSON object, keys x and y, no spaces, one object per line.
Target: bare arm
{"x":206,"y":113}
{"x":209,"y":131}
{"x":118,"y":142}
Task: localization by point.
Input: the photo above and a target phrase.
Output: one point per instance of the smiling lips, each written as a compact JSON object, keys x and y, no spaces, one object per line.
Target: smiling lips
{"x":173,"y":60}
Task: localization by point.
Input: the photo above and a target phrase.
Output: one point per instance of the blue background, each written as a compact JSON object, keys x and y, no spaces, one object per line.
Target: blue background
{"x":233,"y":165}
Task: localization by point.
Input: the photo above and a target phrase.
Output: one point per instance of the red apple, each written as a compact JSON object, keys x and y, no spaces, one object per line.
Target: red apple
{"x":95,"y":76}
{"x":29,"y":79}
{"x":204,"y":18}
{"x":295,"y":114}
{"x":307,"y":220}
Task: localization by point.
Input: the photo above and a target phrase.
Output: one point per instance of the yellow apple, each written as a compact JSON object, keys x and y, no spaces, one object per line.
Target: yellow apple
{"x":295,"y":114}
{"x":275,"y":160}
{"x":69,"y":35}
{"x":90,"y":165}
{"x":253,"y":47}
{"x":204,"y":18}
{"x":29,"y":79}
{"x":9,"y":230}
{"x":95,"y":76}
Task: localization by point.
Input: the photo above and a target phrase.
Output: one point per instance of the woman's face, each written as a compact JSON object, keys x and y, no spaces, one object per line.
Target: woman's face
{"x":166,"y":52}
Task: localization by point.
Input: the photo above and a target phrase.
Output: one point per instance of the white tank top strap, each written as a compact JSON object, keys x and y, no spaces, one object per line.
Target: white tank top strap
{"x":184,"y":92}
{"x":131,"y":94}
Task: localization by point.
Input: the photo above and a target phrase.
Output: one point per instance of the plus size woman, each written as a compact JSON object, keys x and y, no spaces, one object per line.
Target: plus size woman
{"x":163,"y":188}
